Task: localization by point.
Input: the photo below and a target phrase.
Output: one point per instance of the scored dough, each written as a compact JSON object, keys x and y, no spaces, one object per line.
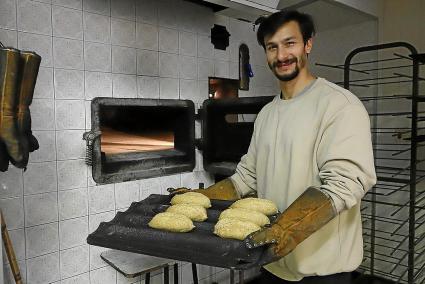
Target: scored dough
{"x":234,"y":229}
{"x":193,"y":211}
{"x":264,"y":206}
{"x":171,"y":222}
{"x":245,"y":215}
{"x":191,"y":198}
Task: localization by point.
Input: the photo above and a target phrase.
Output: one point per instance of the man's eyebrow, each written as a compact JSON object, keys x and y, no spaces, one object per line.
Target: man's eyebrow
{"x":288,"y":38}
{"x":284,"y":40}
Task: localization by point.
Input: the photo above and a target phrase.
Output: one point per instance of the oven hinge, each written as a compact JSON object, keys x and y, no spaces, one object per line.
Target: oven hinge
{"x":90,"y":137}
{"x":198,"y":143}
{"x":198,"y":116}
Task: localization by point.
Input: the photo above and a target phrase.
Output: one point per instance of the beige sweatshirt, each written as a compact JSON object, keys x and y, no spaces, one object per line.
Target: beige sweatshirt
{"x":321,"y":138}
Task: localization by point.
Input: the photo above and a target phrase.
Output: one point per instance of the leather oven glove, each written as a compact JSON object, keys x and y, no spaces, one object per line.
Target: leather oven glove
{"x":223,"y":190}
{"x":307,"y":214}
{"x":30,"y":63}
{"x":9,"y":77}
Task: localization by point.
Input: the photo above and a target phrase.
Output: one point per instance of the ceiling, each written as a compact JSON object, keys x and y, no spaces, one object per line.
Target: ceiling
{"x":327,"y":14}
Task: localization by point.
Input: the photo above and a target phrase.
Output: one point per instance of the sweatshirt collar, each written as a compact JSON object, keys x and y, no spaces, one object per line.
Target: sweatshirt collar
{"x":304,"y":91}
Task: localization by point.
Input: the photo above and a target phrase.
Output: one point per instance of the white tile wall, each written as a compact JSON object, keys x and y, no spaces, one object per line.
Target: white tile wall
{"x":97,"y":57}
{"x":39,"y":43}
{"x":73,"y":203}
{"x":8,"y":14}
{"x":147,"y":63}
{"x":44,"y":86}
{"x":74,"y":261}
{"x":68,"y":53}
{"x":43,"y":269}
{"x":124,"y":60}
{"x":97,"y":84}
{"x":42,"y":239}
{"x":97,"y":28}
{"x":108,"y":48}
{"x":124,"y":86}
{"x":148,"y":87}
{"x":40,"y":178}
{"x":147,"y":36}
{"x":168,"y":65}
{"x":73,"y":232}
{"x":102,"y":7}
{"x":67,"y":22}
{"x":123,"y":32}
{"x":69,"y":84}
{"x":34,"y":17}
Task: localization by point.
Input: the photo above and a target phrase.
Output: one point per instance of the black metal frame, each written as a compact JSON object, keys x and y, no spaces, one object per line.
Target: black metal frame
{"x":393,"y":179}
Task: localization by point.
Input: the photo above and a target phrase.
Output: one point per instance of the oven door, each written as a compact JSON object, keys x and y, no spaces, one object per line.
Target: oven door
{"x":227,"y":127}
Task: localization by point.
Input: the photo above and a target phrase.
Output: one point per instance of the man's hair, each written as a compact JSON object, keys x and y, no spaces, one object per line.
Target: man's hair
{"x":269,"y":25}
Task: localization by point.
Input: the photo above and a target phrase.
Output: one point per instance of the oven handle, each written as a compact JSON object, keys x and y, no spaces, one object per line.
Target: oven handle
{"x":90,"y":137}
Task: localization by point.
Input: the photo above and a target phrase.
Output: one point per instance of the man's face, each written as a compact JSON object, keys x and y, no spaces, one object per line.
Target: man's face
{"x":286,"y":51}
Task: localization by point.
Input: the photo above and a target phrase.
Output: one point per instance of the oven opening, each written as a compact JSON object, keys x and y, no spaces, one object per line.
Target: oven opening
{"x":135,"y":130}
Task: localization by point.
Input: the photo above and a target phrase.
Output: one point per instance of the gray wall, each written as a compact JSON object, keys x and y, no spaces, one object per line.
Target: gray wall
{"x":137,"y":49}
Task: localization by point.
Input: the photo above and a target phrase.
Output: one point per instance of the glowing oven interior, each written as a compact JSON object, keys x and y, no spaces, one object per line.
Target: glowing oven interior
{"x":117,"y":141}
{"x":131,"y":129}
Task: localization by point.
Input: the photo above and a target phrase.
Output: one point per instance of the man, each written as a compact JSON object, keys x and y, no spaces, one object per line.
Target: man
{"x":310,"y":153}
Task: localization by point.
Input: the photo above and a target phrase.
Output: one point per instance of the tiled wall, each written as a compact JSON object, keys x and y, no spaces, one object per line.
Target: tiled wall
{"x":109,"y":48}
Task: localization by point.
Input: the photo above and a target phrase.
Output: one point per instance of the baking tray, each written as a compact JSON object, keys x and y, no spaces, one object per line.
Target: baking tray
{"x":128,"y":231}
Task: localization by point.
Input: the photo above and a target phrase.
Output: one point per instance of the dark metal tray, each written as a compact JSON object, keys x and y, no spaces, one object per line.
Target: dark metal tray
{"x":129,"y":231}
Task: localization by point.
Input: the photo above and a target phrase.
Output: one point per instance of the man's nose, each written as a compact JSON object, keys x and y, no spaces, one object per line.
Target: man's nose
{"x":282,"y":54}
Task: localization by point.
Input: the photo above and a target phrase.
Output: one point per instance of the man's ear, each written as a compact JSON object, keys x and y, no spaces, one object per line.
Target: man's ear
{"x":308,"y":45}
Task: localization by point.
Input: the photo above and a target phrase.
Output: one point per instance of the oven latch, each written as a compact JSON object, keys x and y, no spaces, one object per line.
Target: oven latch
{"x":90,"y":137}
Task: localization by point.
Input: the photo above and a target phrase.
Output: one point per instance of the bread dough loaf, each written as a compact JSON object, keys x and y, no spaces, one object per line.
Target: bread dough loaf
{"x":191,"y":198}
{"x":171,"y":222}
{"x":230,"y":228}
{"x":193,"y":211}
{"x":264,"y":206}
{"x":245,"y":215}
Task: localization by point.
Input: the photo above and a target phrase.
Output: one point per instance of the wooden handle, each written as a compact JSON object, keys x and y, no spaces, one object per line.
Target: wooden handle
{"x":9,"y":251}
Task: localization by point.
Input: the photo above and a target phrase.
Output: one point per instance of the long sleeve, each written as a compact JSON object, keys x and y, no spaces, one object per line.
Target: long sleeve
{"x":345,"y":157}
{"x":245,"y":178}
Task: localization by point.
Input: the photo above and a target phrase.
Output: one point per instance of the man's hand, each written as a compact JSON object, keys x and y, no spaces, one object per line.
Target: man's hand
{"x":180,"y":190}
{"x":283,"y":242}
{"x":223,"y":190}
{"x":307,"y":214}
{"x":267,"y":235}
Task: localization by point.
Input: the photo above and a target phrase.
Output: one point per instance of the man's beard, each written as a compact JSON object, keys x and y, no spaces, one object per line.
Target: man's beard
{"x":285,"y":77}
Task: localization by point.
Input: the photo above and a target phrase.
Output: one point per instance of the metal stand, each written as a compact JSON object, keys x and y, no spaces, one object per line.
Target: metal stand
{"x":232,"y":276}
{"x":132,"y":265}
{"x":385,"y":77}
{"x":393,"y":213}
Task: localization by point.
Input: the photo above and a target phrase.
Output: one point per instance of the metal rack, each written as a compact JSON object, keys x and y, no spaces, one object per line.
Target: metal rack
{"x":386,"y":79}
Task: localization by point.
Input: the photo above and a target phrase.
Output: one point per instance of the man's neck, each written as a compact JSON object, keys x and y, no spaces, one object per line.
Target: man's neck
{"x":292,"y":88}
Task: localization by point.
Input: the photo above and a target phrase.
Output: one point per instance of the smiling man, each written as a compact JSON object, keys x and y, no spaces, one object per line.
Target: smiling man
{"x":310,"y":153}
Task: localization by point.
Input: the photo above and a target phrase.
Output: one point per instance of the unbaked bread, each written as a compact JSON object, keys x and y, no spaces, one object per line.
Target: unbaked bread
{"x":230,"y":228}
{"x":193,"y":211}
{"x":191,"y":198}
{"x":264,"y":206}
{"x":171,"y":222}
{"x":245,"y":215}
